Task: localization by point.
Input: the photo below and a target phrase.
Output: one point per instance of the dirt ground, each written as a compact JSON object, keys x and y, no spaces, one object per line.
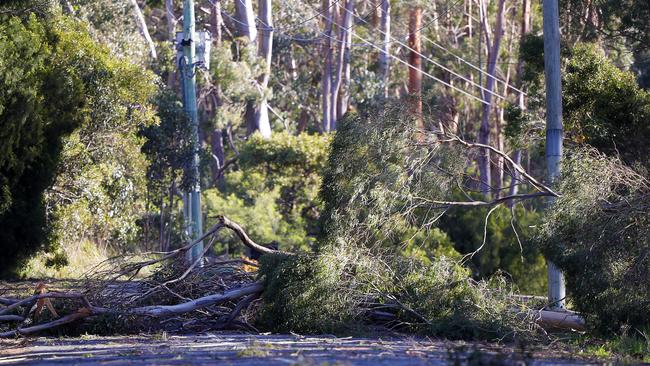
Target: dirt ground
{"x":246,"y":349}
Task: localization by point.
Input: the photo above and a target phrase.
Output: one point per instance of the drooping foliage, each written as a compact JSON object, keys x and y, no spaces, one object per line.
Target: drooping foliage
{"x":379,"y":191}
{"x":598,"y":234}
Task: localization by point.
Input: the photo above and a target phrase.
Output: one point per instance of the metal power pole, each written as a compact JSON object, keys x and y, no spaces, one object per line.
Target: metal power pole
{"x":554,"y":132}
{"x":193,"y":197}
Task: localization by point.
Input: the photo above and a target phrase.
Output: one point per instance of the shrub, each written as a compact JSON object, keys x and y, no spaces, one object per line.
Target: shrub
{"x":598,"y":233}
{"x":275,"y":190}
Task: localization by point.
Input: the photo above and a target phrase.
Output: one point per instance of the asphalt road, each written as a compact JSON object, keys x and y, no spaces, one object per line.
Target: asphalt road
{"x":246,"y":349}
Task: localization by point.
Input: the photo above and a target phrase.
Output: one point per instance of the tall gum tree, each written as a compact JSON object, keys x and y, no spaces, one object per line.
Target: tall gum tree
{"x":493,"y":53}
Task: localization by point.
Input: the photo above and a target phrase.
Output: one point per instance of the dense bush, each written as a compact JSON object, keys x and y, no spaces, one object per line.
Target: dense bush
{"x":337,"y":290}
{"x":604,"y":107}
{"x":598,"y":233}
{"x":70,"y":113}
{"x":41,"y":101}
{"x":274,"y":193}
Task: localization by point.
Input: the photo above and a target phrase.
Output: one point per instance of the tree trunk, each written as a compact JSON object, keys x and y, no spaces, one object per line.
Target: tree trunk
{"x":171,"y":36}
{"x":344,"y":93}
{"x":525,"y":28}
{"x":384,"y":56}
{"x":343,"y":62}
{"x":415,"y":75}
{"x":262,"y":122}
{"x":326,"y":77}
{"x":484,"y":131}
{"x":142,"y":23}
{"x":246,"y":20}
{"x":246,"y":28}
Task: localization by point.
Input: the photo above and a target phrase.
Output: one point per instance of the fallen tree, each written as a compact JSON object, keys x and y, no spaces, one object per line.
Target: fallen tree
{"x":380,"y":181}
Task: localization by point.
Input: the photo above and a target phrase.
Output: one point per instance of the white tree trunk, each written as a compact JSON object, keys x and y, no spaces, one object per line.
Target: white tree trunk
{"x":143,"y":28}
{"x":326,"y":77}
{"x":384,"y":55}
{"x":344,"y":28}
{"x":484,"y":131}
{"x":262,"y":122}
{"x":246,"y":19}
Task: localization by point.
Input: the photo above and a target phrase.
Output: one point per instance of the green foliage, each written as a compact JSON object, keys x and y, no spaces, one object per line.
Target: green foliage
{"x":56,"y":80}
{"x":100,"y":187}
{"x":604,"y":107}
{"x":275,"y":192}
{"x":377,"y":251}
{"x":502,"y":251}
{"x":377,"y":182}
{"x":41,"y":101}
{"x":337,"y":289}
{"x":598,"y":234}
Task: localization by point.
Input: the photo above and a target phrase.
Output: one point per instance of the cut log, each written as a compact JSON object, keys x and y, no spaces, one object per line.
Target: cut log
{"x":559,"y":319}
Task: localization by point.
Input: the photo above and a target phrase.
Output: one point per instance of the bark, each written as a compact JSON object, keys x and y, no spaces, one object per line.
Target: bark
{"x":11,"y":318}
{"x":525,"y":28}
{"x":142,"y":23}
{"x":344,"y":33}
{"x":171,"y":19}
{"x":326,"y":78}
{"x":246,"y":20}
{"x":216,"y":22}
{"x":169,"y":310}
{"x":80,"y":314}
{"x":415,"y":75}
{"x":343,"y":102}
{"x":171,"y":36}
{"x":262,"y":123}
{"x":384,"y":55}
{"x":484,"y":131}
{"x":246,"y":28}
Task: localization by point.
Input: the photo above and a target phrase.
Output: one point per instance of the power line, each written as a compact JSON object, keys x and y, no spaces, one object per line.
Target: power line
{"x":411,"y":66}
{"x":423,"y":72}
{"x":435,"y":62}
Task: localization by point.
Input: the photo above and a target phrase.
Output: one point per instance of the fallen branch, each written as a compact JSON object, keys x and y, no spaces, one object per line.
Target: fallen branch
{"x":559,"y":320}
{"x":7,"y":301}
{"x":11,"y":318}
{"x":80,"y":314}
{"x":47,"y":295}
{"x":169,"y":310}
{"x":223,"y":220}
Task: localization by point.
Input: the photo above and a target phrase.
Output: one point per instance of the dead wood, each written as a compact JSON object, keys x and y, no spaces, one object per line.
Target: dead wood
{"x":11,"y":318}
{"x":80,"y":314}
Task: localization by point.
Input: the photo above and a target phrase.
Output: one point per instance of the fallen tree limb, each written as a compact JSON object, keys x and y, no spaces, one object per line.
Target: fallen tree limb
{"x":7,"y":301}
{"x":80,"y":314}
{"x":169,"y":310}
{"x":47,"y":295}
{"x":11,"y":318}
{"x":223,"y":220}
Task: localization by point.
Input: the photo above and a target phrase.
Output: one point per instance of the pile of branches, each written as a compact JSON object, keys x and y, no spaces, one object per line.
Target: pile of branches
{"x":207,"y":294}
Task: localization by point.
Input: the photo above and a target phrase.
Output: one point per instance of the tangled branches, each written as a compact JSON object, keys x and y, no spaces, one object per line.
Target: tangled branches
{"x":598,"y":233}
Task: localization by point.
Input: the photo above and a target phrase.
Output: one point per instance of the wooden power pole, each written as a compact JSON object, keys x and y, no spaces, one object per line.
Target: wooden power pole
{"x":554,"y":132}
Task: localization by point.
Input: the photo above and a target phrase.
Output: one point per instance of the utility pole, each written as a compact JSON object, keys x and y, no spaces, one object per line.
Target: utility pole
{"x":193,"y":198}
{"x":554,"y":133}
